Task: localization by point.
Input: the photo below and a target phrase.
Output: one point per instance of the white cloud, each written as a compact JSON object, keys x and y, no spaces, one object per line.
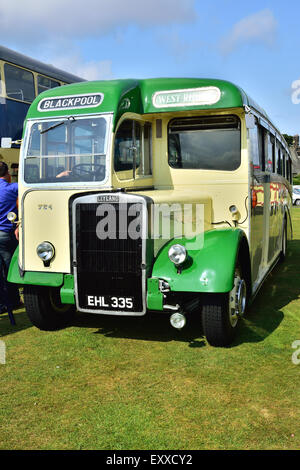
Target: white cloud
{"x":91,"y":18}
{"x":89,"y":70}
{"x":261,"y":27}
{"x":52,"y":31}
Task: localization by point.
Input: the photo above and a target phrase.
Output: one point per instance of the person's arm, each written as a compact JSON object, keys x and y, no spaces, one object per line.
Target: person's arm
{"x":63,"y":173}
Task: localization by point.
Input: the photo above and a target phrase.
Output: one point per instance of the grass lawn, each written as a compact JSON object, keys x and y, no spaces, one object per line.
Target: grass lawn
{"x":126,"y":383}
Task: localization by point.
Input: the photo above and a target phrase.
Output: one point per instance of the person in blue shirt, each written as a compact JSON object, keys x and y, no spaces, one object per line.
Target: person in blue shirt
{"x":8,"y":241}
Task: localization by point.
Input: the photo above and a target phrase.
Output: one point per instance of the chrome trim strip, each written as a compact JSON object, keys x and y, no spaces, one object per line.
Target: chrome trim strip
{"x":123,"y":198}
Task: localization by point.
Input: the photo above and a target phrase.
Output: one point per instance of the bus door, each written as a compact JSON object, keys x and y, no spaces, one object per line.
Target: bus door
{"x":274,"y":200}
{"x":260,"y":203}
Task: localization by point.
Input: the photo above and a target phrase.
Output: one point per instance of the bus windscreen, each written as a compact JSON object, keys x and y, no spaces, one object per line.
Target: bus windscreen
{"x":66,"y":150}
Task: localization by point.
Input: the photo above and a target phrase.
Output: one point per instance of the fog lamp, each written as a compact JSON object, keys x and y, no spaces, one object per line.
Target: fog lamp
{"x":45,"y":251}
{"x":177,"y":254}
{"x":178,"y":320}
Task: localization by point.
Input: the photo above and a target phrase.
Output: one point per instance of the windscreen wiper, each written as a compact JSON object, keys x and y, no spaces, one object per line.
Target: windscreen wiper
{"x":70,"y":119}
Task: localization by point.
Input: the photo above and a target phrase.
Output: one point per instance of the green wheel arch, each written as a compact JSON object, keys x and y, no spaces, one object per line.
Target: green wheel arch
{"x":30,"y":277}
{"x":210,"y":268}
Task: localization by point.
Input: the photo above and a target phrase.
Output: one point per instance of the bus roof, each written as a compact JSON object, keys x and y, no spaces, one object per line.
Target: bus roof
{"x":144,"y":96}
{"x":27,"y":62}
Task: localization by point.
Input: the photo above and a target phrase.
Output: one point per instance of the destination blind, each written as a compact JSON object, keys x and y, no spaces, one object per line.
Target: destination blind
{"x":57,"y":103}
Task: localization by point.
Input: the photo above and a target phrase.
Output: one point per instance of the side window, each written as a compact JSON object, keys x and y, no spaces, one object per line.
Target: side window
{"x":271,"y":153}
{"x":282,"y":162}
{"x":132,"y":152}
{"x":253,"y":137}
{"x":262,"y":147}
{"x":287,"y":167}
{"x":146,"y":166}
{"x":19,"y":83}
{"x":278,"y":158}
{"x":45,"y":83}
{"x":290,"y":171}
{"x":127,"y":149}
{"x":205,"y":143}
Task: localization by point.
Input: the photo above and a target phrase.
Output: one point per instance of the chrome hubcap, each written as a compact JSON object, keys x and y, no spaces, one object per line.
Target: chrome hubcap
{"x":237,"y":299}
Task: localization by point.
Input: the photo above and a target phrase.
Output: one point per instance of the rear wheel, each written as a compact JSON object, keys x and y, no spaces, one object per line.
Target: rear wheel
{"x":221,"y":312}
{"x":44,"y":308}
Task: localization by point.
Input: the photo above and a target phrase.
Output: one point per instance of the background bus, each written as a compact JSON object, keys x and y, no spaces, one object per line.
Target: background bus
{"x":21,"y":80}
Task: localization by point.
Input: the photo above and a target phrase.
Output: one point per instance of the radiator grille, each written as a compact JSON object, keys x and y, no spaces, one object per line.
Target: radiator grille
{"x":108,"y":268}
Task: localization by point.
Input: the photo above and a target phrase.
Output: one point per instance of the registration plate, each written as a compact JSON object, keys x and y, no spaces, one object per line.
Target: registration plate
{"x":110,"y":302}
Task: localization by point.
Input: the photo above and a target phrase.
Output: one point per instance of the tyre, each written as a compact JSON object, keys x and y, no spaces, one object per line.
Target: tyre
{"x":297,"y":202}
{"x":282,"y":255}
{"x":44,"y":308}
{"x":221,"y":312}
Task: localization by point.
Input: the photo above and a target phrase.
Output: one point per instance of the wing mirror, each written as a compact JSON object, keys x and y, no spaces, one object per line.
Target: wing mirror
{"x":6,"y":142}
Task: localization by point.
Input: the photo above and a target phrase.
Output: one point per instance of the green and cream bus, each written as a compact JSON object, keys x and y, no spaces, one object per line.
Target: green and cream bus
{"x":106,"y":165}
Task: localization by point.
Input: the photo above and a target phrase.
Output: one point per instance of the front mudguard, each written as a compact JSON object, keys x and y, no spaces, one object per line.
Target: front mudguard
{"x":32,"y":278}
{"x":207,"y":269}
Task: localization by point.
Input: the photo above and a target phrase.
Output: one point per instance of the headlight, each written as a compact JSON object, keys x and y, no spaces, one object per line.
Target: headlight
{"x":177,"y":254}
{"x":11,"y":216}
{"x":45,"y":251}
{"x":233,"y":209}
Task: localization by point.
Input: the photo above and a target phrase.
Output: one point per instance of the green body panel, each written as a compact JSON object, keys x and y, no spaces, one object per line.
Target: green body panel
{"x":67,"y":294}
{"x":132,"y":95}
{"x":120,"y":96}
{"x":208,"y":269}
{"x":231,"y":95}
{"x":154,"y":296}
{"x":30,"y":277}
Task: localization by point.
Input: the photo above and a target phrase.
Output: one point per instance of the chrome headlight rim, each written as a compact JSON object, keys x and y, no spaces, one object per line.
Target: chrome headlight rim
{"x":11,"y":216}
{"x":177,"y":254}
{"x":45,"y":251}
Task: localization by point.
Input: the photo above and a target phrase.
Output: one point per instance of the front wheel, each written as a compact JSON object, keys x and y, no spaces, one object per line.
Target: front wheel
{"x":221,"y":312}
{"x":44,"y":308}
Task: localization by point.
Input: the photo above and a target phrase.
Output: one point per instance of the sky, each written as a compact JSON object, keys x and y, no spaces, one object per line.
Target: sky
{"x":254,"y":44}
